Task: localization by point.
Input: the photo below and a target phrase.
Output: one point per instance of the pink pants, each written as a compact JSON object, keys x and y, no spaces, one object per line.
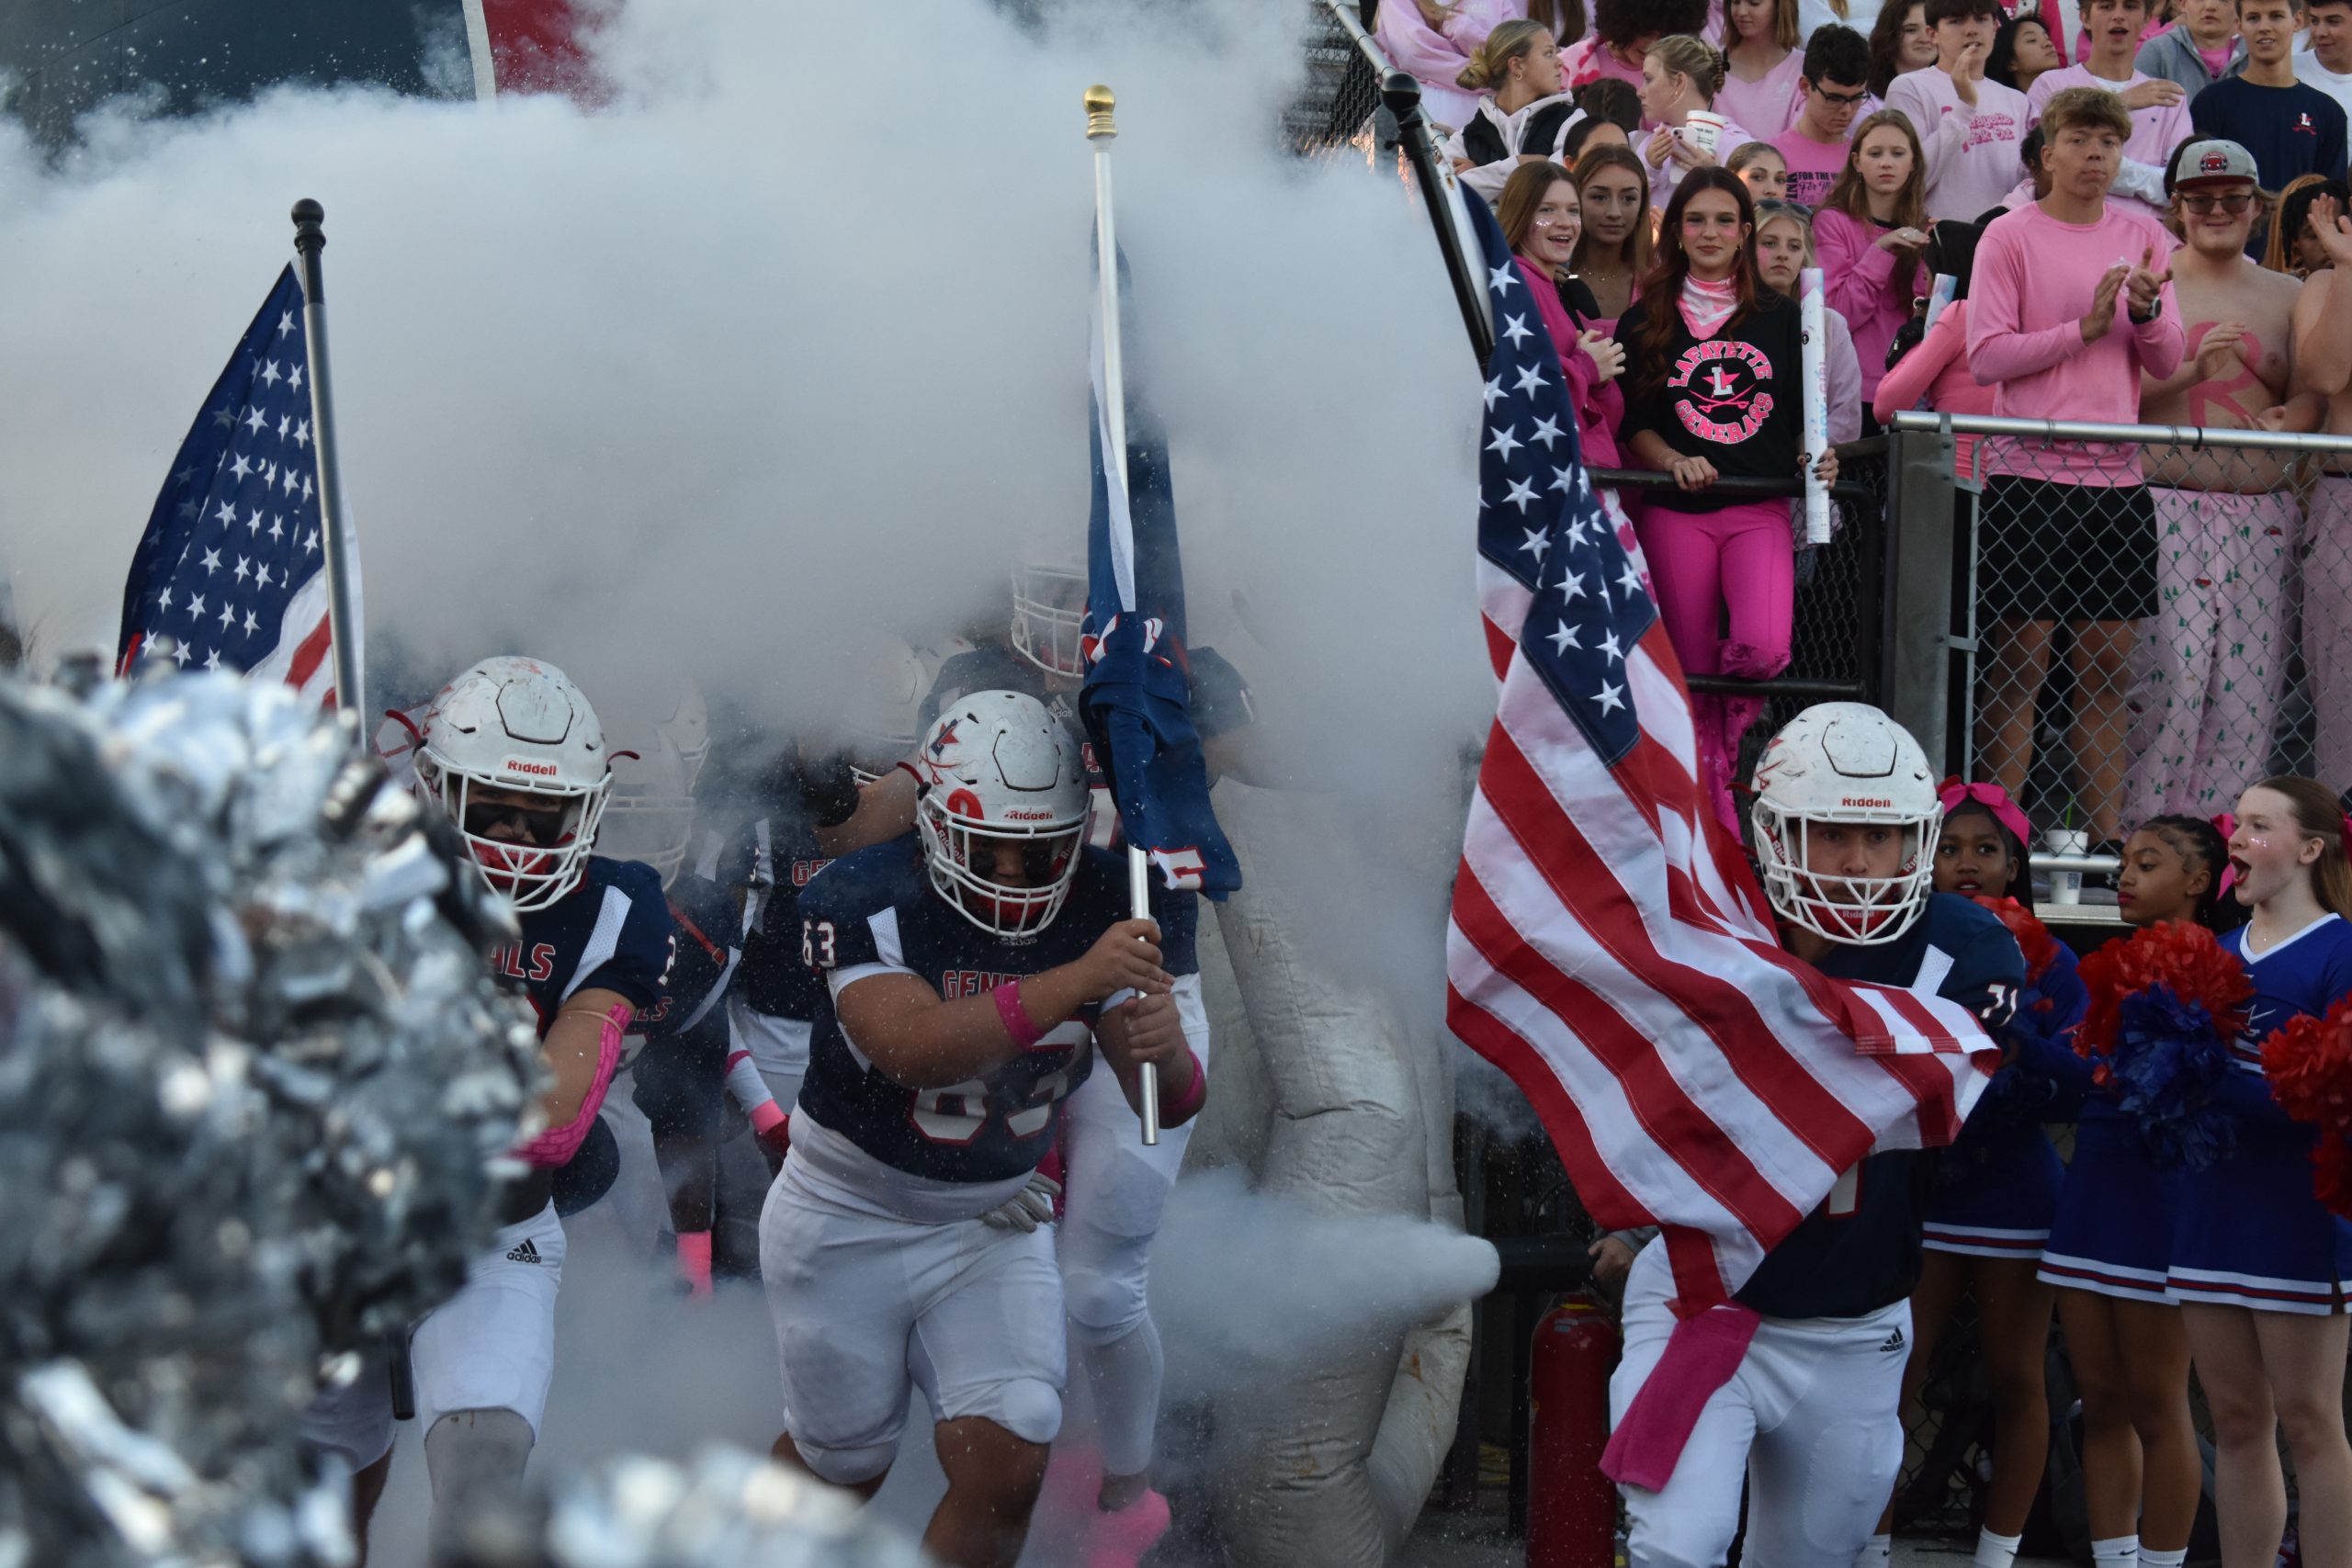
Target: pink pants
{"x":2327,"y":626}
{"x":2208,"y":667}
{"x":1726,"y":589}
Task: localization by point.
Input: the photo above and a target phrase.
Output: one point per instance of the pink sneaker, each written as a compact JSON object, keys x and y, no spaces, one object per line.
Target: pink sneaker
{"x":1119,"y":1540}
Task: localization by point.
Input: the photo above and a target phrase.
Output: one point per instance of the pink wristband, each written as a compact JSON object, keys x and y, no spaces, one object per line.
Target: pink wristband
{"x":1016,"y":1019}
{"x":1196,"y":1095}
{"x":767,"y":1115}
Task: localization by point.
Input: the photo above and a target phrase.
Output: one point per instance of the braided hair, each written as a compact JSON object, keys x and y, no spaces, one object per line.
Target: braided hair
{"x":2201,"y":847}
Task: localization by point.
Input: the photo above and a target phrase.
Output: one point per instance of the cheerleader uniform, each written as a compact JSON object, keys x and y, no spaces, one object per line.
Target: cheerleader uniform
{"x":2112,"y":1233}
{"x":2250,"y":1233}
{"x":1997,"y":1187}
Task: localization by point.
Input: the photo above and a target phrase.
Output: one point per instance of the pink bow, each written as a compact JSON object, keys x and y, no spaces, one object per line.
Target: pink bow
{"x":1951,"y":792}
{"x":2226,"y":824}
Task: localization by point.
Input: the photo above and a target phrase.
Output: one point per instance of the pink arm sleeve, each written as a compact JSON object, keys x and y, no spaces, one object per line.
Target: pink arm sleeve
{"x":1999,"y":348}
{"x":1176,"y":1112}
{"x":1903,"y":387}
{"x":558,"y":1144}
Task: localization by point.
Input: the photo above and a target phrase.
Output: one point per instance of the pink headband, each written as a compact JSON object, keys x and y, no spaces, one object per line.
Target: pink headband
{"x":1954,"y":794}
{"x":2226,"y":824}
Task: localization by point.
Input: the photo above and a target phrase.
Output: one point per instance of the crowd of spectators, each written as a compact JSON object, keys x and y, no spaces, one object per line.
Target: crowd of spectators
{"x":2117,"y":211}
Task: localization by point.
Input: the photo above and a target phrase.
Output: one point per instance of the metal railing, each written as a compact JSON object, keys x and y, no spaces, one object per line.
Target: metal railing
{"x":2109,"y":655}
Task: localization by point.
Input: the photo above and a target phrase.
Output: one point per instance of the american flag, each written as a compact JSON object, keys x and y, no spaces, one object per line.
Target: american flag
{"x":1610,"y":948}
{"x":231,"y":566}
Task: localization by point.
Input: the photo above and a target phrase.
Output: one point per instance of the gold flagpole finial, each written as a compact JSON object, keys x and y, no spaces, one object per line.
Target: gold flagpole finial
{"x":1099,"y":104}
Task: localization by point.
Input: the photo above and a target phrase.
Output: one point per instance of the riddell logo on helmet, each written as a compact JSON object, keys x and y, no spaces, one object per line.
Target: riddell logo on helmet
{"x":1868,"y":802}
{"x":536,"y":770}
{"x":1028,"y":816}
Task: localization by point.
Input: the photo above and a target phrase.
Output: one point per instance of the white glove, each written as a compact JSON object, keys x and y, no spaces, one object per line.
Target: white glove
{"x":1027,"y":1209}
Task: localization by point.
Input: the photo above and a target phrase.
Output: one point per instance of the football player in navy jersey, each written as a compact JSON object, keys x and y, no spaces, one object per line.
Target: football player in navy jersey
{"x":1118,"y":1185}
{"x":1845,"y":820}
{"x":679,"y":1045}
{"x":513,"y":754}
{"x":971,"y":969}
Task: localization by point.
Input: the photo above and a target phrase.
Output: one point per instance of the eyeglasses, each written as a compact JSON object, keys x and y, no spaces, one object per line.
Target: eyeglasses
{"x":2202,"y":202}
{"x":1841,"y":100}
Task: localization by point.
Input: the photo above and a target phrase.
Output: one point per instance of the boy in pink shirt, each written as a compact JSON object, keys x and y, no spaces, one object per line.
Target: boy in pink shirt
{"x":1968,"y":126}
{"x":1830,"y":89}
{"x":2159,"y":108}
{"x":2071,"y":302}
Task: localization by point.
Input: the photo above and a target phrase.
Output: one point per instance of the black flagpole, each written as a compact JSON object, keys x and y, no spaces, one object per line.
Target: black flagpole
{"x":1403,"y":97}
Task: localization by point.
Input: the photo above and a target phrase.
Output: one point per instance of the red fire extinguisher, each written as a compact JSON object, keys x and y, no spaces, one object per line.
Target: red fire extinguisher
{"x":1571,"y":1507}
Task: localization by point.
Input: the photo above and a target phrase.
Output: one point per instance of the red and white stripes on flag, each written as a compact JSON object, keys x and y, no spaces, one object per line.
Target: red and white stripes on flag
{"x":1611,"y":950}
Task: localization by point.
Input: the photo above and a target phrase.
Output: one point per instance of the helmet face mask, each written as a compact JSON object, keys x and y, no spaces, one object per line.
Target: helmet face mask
{"x":1000,"y":771}
{"x":1845,"y":825}
{"x":1048,"y":612}
{"x":513,"y":756}
{"x":649,"y":816}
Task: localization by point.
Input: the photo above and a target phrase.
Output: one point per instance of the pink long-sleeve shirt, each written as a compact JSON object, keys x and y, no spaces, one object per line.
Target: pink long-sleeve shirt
{"x":2032,"y":287}
{"x":1862,"y":282}
{"x":1600,"y":404}
{"x":1436,"y":57}
{"x":1972,"y":154}
{"x":1937,"y":370}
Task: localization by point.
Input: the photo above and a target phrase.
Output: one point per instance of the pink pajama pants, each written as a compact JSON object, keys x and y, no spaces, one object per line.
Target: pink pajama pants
{"x":1726,"y":589}
{"x":2208,"y":667}
{"x":2327,"y":626}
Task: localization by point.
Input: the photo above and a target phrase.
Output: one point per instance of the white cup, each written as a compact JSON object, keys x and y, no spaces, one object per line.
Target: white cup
{"x":1704,"y":131}
{"x":2066,"y":886}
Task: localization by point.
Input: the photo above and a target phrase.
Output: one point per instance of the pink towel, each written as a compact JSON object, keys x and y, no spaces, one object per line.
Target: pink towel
{"x":1701,"y":1354}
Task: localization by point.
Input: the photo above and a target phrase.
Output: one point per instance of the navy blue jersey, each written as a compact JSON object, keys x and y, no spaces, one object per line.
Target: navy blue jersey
{"x":1860,"y":1250}
{"x":999,"y":669}
{"x":703,"y":921}
{"x":774,"y":856}
{"x":610,"y":933}
{"x":875,"y":912}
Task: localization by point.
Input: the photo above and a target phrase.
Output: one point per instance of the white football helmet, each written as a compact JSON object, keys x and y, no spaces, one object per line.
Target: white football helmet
{"x":1846,"y":763}
{"x":999,"y":766}
{"x":880,"y":721}
{"x":680,"y":714}
{"x":649,"y":816}
{"x":515,"y":724}
{"x":1048,"y":608}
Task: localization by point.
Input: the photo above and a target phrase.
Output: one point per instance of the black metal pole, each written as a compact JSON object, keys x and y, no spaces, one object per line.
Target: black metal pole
{"x":341,"y":564}
{"x":1403,"y":97}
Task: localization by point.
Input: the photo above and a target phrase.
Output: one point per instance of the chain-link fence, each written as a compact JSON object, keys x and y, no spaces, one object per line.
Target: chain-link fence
{"x":1337,"y":112}
{"x":2133,"y":649}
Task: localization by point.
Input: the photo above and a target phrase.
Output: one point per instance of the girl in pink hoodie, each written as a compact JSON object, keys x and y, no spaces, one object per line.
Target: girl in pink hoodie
{"x":1543,"y":219}
{"x":1869,"y":234}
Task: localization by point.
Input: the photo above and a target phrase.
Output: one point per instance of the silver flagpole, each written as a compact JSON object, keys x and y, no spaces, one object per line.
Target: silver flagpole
{"x":1102,"y":133}
{"x":342,"y":567}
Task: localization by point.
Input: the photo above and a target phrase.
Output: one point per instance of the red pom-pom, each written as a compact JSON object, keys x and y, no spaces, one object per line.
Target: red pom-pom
{"x":2308,"y":1064}
{"x":2040,"y":948}
{"x":2184,"y":958}
{"x":2332,"y":1175}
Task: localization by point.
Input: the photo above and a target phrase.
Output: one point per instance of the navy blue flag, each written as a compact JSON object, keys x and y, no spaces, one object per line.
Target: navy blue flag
{"x":1137,"y":697}
{"x":230,"y":568}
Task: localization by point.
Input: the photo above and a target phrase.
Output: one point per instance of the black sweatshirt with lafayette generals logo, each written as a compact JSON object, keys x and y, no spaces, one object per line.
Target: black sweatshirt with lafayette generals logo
{"x":1734,"y":399}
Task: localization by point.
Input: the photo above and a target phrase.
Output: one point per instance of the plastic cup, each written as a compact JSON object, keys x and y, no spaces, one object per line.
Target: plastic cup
{"x":2066,"y":886}
{"x":1704,"y":131}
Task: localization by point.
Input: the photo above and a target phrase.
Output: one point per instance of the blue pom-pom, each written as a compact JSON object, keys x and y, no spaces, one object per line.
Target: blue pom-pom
{"x":2169,"y":1055}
